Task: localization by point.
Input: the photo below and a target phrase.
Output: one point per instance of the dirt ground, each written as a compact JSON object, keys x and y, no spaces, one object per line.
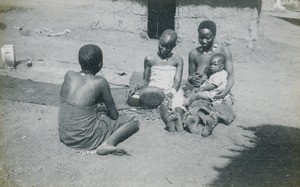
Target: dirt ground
{"x":260,"y":148}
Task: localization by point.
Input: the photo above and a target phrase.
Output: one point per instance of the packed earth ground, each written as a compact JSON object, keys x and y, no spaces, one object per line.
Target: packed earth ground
{"x":260,"y":148}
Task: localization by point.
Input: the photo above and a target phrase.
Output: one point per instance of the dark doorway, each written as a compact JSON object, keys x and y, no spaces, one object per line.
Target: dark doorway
{"x":161,"y":15}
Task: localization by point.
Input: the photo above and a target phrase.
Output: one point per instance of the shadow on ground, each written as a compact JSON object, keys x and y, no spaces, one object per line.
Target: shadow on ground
{"x":274,"y":160}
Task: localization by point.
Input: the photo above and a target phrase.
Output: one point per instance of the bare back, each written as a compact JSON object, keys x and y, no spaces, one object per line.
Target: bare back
{"x":88,"y":90}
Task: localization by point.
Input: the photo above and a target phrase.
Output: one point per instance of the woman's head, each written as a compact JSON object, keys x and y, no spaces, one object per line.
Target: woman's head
{"x":90,"y":58}
{"x":206,"y":34}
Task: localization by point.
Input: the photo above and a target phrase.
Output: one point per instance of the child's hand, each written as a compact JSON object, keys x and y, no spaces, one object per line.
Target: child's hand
{"x":133,"y":90}
{"x":169,"y":101}
{"x":169,"y":95}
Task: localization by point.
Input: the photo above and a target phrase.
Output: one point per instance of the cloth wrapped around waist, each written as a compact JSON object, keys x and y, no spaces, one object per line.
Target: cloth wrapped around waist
{"x":223,"y":110}
{"x":84,"y":127}
{"x":162,"y":77}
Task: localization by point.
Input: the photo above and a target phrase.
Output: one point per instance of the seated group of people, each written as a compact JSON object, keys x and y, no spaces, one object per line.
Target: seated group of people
{"x":198,"y":106}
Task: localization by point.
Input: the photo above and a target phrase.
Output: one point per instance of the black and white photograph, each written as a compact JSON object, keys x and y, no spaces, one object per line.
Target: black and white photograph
{"x":158,"y":93}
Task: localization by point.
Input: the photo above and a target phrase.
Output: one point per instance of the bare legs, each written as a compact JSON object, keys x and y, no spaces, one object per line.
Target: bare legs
{"x":172,"y":119}
{"x":210,"y":122}
{"x":122,"y":133}
{"x":179,"y":121}
{"x":192,"y":122}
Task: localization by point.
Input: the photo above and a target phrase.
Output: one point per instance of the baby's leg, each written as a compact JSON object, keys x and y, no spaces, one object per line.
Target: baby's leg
{"x":186,"y":101}
{"x":196,"y":96}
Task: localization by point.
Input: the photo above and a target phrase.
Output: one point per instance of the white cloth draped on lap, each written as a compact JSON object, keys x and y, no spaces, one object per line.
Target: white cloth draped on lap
{"x":162,"y":77}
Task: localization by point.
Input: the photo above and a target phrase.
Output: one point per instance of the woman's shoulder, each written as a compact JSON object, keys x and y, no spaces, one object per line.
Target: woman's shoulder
{"x":178,"y":58}
{"x":222,"y":47}
{"x":70,"y":72}
{"x":194,"y":51}
{"x":150,"y":57}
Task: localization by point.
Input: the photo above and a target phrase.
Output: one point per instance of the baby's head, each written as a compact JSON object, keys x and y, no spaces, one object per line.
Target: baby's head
{"x":90,"y":58}
{"x":167,"y":42}
{"x":217,"y":63}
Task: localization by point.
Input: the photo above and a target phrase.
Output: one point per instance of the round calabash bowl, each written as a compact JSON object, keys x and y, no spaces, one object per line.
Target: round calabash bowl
{"x":133,"y":100}
{"x":151,"y":97}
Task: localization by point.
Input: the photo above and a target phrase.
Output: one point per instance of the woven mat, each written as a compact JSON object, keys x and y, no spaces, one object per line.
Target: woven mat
{"x":43,"y":93}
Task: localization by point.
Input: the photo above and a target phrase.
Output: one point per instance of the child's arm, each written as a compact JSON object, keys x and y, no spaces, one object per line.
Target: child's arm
{"x":177,"y":78}
{"x":146,"y":77}
{"x":108,"y":100}
{"x":230,"y":78}
{"x":208,"y":87}
{"x":147,"y":70}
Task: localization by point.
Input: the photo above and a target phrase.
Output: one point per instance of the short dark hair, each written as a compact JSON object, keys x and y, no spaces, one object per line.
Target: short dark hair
{"x":219,"y":55}
{"x":90,"y":57}
{"x":210,"y":25}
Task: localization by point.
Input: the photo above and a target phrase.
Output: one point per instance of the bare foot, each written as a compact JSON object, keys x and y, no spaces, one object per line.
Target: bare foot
{"x":186,"y":102}
{"x":179,"y":123}
{"x":214,"y":117}
{"x":164,"y":111}
{"x":207,"y":130}
{"x":171,"y":122}
{"x":192,"y":122}
{"x":210,"y":124}
{"x":105,"y":149}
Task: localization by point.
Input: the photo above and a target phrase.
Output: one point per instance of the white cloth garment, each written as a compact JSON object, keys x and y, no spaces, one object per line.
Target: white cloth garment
{"x":220,"y":80}
{"x":162,"y":77}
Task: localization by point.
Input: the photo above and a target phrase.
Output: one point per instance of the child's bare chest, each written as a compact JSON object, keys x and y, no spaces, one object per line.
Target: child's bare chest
{"x":166,"y":62}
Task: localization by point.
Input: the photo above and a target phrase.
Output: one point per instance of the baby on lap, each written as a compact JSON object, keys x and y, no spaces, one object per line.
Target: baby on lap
{"x":210,"y":87}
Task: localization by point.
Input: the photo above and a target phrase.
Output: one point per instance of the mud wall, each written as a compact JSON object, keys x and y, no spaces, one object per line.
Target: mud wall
{"x":235,"y":19}
{"x":121,"y":15}
{"x":269,"y":4}
{"x":233,"y":23}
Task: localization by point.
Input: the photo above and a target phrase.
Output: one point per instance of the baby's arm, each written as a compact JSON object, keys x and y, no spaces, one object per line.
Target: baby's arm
{"x":208,"y":86}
